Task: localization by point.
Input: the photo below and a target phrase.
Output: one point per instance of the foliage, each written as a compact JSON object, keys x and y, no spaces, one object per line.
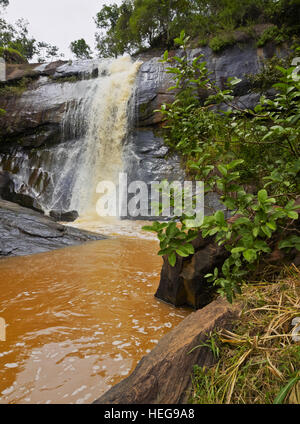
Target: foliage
{"x":4,"y":3}
{"x":16,"y":88}
{"x":269,"y":73}
{"x":81,"y":49}
{"x":47,"y":52}
{"x":230,"y":152}
{"x":257,"y":362}
{"x":114,"y":36}
{"x":11,"y":55}
{"x":219,"y":43}
{"x":273,"y":34}
{"x":17,"y":37}
{"x":137,"y":24}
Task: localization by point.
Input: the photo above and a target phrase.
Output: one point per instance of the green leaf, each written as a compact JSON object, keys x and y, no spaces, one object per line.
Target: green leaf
{"x":262,"y":196}
{"x":272,"y":225}
{"x":149,"y":228}
{"x":292,"y":215}
{"x":242,"y":221}
{"x":255,"y":231}
{"x":250,"y":255}
{"x":220,"y":218}
{"x":285,"y":391}
{"x":185,"y":250}
{"x":172,"y":259}
{"x":172,"y":230}
{"x":223,"y":170}
{"x":238,"y":249}
{"x":235,"y":163}
{"x":267,"y":231}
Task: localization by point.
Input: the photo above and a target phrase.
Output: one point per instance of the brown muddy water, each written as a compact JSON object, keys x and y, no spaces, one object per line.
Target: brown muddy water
{"x":79,"y":319}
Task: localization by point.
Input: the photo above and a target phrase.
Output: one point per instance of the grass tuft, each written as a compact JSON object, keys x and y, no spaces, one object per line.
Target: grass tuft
{"x":259,"y":362}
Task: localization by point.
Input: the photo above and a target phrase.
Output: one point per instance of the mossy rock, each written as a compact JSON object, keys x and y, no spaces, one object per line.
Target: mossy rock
{"x":12,"y":56}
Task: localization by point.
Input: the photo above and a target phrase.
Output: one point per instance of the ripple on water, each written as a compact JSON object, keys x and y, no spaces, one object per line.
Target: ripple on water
{"x":79,"y":319}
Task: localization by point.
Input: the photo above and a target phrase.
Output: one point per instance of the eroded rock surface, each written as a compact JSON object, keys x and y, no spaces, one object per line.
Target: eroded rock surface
{"x":24,"y":232}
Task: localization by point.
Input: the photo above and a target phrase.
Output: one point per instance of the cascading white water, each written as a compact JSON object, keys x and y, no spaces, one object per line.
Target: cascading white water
{"x":94,"y":124}
{"x":101,"y":159}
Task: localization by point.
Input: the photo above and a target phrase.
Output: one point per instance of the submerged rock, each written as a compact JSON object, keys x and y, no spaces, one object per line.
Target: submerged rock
{"x":164,"y":376}
{"x":25,"y":232}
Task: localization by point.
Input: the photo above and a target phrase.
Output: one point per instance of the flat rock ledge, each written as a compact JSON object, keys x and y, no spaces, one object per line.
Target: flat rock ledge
{"x":26,"y":232}
{"x":164,"y":375}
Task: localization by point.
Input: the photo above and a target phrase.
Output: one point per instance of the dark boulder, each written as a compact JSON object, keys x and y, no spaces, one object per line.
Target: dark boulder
{"x":185,"y":284}
{"x":69,"y":216}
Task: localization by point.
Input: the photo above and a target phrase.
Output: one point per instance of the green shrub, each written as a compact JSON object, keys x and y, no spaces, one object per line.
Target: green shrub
{"x":269,"y":74}
{"x":220,"y":42}
{"x":14,"y":89}
{"x":11,"y":55}
{"x":273,"y":34}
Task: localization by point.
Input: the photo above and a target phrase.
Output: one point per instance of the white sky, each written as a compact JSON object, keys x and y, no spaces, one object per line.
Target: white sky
{"x":58,"y":22}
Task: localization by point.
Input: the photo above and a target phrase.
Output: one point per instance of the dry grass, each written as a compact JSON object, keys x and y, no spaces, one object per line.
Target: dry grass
{"x":259,"y":362}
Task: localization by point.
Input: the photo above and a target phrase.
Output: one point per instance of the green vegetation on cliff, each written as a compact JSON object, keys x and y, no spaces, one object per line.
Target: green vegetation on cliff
{"x":137,"y":24}
{"x":11,"y":55}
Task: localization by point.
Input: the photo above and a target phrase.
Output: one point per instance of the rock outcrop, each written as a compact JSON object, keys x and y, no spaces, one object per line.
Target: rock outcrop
{"x":185,"y":283}
{"x":164,"y":375}
{"x":24,"y":232}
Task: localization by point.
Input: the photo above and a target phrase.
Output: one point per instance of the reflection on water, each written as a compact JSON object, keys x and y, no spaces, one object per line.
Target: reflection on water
{"x":79,"y":319}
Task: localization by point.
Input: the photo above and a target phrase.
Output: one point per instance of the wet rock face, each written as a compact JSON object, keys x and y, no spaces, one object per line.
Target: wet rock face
{"x":24,"y":232}
{"x":164,"y":375}
{"x":237,"y":61}
{"x":152,"y":91}
{"x":146,"y":159}
{"x":34,"y":118}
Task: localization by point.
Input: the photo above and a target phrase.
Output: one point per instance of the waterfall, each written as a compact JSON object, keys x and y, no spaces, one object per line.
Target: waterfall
{"x":94,"y":115}
{"x":108,"y":118}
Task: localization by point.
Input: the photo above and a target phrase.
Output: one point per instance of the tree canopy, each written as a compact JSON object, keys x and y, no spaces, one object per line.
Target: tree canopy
{"x":17,"y":37}
{"x":81,"y":49}
{"x":138,"y":24}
